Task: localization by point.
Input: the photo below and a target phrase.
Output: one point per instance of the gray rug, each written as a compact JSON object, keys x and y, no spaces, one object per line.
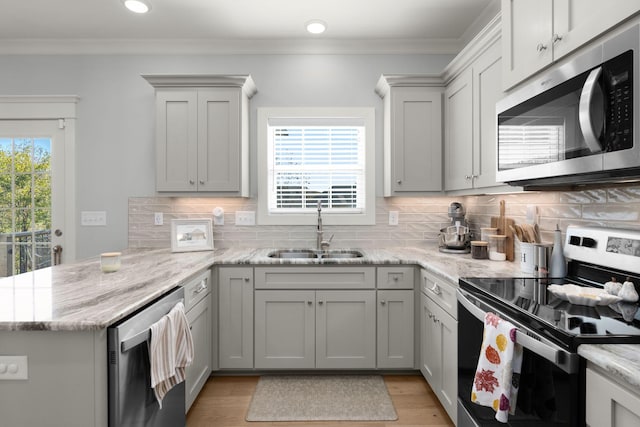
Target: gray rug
{"x":321,"y":398}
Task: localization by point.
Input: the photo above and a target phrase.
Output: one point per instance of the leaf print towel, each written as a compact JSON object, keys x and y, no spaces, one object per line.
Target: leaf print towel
{"x":498,"y":373}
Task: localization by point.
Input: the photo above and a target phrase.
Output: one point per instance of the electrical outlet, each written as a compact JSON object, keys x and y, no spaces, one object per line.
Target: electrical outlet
{"x":393,"y":217}
{"x":14,"y":368}
{"x":158,"y":218}
{"x":93,"y":218}
{"x":245,"y":218}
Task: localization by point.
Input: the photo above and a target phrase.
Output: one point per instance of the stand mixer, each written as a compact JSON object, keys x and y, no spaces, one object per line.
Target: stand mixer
{"x":456,"y":238}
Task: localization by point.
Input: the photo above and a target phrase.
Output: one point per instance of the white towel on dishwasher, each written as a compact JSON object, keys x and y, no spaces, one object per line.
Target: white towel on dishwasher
{"x":170,"y":351}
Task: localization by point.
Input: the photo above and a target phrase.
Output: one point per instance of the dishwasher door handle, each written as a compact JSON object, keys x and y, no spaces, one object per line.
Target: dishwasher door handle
{"x":563,"y":359}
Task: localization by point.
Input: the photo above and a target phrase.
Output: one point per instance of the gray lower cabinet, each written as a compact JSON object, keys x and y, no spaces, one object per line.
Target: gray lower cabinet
{"x":324,"y":329}
{"x":395,"y":328}
{"x":199,"y":318}
{"x":285,"y":329}
{"x":610,"y":402}
{"x":438,"y":353}
{"x":235,"y":321}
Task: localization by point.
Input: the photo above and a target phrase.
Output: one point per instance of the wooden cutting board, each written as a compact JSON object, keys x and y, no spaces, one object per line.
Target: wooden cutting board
{"x":502,"y":223}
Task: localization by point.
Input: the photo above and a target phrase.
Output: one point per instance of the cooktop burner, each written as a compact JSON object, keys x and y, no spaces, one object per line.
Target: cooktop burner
{"x":536,"y":307}
{"x":528,"y":300}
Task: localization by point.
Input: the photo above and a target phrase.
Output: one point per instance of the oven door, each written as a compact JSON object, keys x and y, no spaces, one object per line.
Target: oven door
{"x":551,"y":391}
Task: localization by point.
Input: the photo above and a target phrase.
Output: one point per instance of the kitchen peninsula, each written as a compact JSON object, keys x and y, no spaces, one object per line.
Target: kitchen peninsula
{"x":58,"y":317}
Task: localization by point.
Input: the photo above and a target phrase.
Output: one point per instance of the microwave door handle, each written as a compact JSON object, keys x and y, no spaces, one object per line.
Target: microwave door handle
{"x":559,"y":357}
{"x":591,"y":93}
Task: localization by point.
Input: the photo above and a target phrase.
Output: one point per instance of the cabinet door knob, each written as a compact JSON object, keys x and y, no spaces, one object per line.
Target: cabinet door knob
{"x":202,"y":181}
{"x":541,"y":47}
{"x":191,"y":182}
{"x":383,"y":302}
{"x":395,"y":278}
{"x":310,"y":302}
{"x":320,"y":302}
{"x":399,"y":182}
{"x":556,"y":38}
{"x":467,"y":177}
{"x":246,"y":279}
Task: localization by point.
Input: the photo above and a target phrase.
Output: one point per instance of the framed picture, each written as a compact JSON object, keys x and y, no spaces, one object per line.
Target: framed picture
{"x":191,"y":235}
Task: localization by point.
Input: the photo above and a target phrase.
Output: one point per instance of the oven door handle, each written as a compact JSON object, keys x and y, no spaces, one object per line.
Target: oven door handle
{"x":561,"y":358}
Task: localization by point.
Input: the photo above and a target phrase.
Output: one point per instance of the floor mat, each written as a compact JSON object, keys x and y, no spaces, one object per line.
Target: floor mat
{"x":321,"y":398}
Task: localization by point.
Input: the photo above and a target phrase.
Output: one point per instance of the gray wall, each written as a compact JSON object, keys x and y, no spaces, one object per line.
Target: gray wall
{"x":115,"y":127}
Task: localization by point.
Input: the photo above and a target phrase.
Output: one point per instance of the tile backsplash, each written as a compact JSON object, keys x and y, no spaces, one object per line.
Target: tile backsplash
{"x":420,"y":218}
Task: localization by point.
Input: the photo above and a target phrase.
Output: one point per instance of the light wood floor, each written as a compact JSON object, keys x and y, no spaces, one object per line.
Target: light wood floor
{"x":224,"y":401}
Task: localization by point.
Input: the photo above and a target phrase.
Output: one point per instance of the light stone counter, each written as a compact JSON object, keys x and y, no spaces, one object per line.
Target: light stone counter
{"x":622,"y":361}
{"x":78,"y":296}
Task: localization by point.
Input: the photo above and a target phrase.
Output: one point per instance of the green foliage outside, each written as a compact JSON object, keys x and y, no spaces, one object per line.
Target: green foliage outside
{"x":25,"y":204}
{"x":28,"y":164}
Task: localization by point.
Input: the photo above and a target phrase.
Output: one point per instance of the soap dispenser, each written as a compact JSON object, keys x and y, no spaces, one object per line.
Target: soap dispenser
{"x":558,"y":265}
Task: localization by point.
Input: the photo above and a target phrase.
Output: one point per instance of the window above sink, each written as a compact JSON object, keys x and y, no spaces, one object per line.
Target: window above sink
{"x":306,"y":155}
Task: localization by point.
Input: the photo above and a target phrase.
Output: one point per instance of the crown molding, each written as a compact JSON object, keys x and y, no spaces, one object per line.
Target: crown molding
{"x":243,"y":81}
{"x":490,"y":34}
{"x":232,"y":46}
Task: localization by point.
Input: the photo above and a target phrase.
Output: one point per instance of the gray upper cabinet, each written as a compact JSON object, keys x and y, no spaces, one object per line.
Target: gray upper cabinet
{"x":538,"y":33}
{"x":202,"y":133}
{"x":474,"y":85}
{"x":412,"y":133}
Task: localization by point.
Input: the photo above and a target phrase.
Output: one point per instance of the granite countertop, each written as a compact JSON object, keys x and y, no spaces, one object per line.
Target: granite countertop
{"x":79,"y":296}
{"x":621,"y":361}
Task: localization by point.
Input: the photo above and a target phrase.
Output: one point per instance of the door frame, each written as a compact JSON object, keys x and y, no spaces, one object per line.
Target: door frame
{"x":55,"y":107}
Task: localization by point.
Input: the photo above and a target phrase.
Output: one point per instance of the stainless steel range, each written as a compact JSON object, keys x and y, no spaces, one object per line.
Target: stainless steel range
{"x":550,"y":328}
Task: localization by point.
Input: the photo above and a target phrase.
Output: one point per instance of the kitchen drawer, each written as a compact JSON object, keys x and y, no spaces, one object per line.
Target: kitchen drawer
{"x":196,"y":289}
{"x":314,"y":277}
{"x":399,"y":277}
{"x":441,"y":291}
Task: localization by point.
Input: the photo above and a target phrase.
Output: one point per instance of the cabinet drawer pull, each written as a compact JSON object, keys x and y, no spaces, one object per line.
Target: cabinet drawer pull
{"x":435,"y":289}
{"x":556,"y":38}
{"x":200,"y":288}
{"x":541,"y":47}
{"x":396,"y":278}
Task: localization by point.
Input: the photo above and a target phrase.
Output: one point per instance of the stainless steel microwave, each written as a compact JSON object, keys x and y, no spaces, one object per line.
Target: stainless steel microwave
{"x":577,"y":124}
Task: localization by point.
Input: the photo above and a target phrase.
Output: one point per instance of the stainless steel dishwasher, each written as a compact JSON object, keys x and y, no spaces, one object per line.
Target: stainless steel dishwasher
{"x":131,"y":398}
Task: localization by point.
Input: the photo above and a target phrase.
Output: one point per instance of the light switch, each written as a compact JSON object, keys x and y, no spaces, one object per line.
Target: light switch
{"x":393,"y":217}
{"x":93,"y":218}
{"x":245,"y":218}
{"x":14,"y":368}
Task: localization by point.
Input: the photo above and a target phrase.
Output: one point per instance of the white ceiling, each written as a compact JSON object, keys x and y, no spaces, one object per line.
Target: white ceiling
{"x":375,"y":26}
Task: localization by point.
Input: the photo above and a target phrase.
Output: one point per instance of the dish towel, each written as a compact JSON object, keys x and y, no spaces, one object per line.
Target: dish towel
{"x":498,"y":374}
{"x":170,"y":351}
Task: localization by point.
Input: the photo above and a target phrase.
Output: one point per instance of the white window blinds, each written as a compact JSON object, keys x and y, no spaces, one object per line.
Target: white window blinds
{"x":322,"y":160}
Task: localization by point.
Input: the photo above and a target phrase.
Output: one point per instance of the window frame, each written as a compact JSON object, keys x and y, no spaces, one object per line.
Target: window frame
{"x":364,"y":114}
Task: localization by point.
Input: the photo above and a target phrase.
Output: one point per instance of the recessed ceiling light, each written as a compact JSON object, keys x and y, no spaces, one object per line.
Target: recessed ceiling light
{"x":137,"y":6}
{"x":316,"y":27}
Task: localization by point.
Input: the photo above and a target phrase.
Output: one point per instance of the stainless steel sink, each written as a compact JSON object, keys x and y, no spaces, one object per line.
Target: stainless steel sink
{"x":294,"y":253}
{"x":311,"y":253}
{"x":337,"y":253}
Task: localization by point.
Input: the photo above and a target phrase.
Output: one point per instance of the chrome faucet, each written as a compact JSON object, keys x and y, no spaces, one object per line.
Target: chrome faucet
{"x":321,"y":244}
